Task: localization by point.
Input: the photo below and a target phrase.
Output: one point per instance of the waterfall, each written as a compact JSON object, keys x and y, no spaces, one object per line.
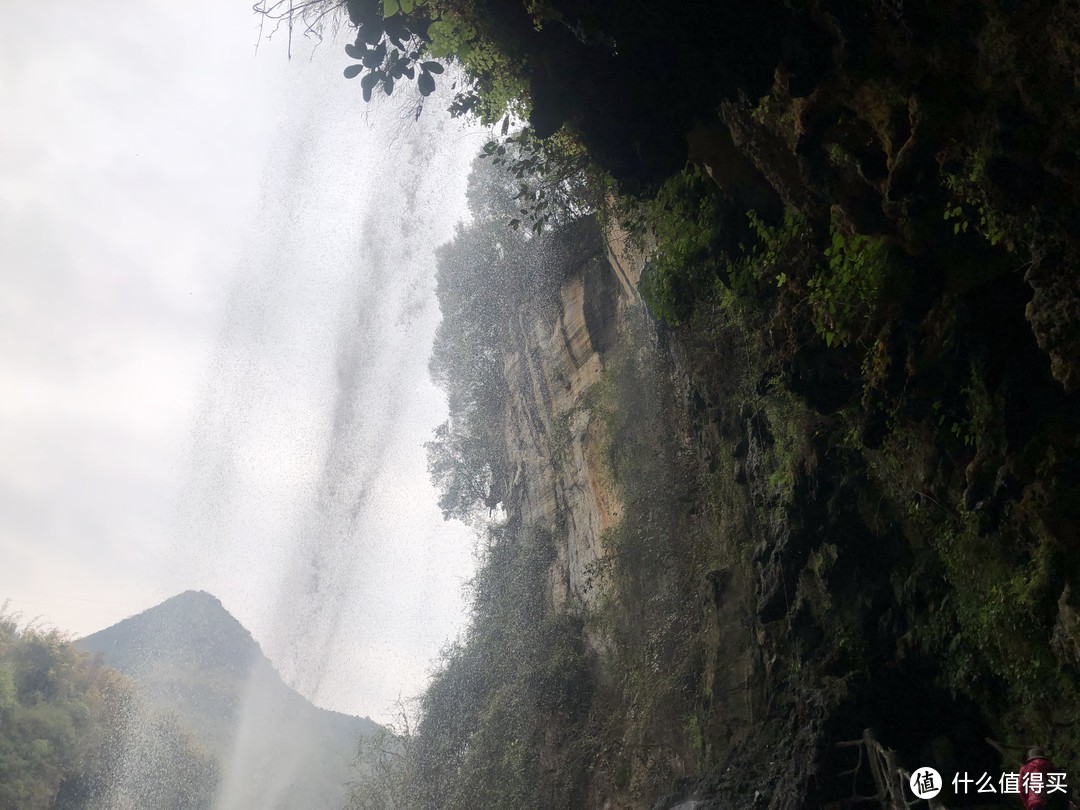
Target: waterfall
{"x":308,"y":495}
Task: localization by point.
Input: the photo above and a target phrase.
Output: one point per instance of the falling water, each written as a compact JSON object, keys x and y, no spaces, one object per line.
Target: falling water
{"x":308,"y":503}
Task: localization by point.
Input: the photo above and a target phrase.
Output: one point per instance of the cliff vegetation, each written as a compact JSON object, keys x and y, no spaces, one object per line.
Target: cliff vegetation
{"x":765,"y":401}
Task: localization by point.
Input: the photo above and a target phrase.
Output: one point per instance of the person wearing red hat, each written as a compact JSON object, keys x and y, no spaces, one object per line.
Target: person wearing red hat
{"x":1040,"y":781}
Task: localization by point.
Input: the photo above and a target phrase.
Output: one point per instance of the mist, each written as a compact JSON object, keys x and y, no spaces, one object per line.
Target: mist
{"x":262,"y":368}
{"x":307,"y":487}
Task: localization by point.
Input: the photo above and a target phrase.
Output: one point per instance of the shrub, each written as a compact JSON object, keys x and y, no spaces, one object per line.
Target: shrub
{"x":843,"y":293}
{"x":684,"y":219}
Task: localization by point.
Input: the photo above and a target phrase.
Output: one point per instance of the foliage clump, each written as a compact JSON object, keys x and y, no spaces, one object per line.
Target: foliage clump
{"x":843,"y":293}
{"x":408,"y":41}
{"x":684,"y":219}
{"x":484,"y":735}
{"x":64,"y":720}
{"x":703,"y":250}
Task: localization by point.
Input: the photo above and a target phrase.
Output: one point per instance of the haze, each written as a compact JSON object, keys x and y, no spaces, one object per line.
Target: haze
{"x":217,"y":311}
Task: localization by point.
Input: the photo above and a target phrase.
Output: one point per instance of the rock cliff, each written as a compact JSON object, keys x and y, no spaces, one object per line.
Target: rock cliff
{"x":754,"y":586}
{"x":839,"y":488}
{"x":566,"y":370}
{"x":555,"y":443}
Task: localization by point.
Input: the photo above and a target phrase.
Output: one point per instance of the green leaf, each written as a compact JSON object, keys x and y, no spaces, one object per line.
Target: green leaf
{"x":370,"y":33}
{"x":407,"y":5}
{"x":390,"y":8}
{"x":374,"y":58}
{"x":829,"y":337}
{"x":367,"y":84}
{"x":440,"y":29}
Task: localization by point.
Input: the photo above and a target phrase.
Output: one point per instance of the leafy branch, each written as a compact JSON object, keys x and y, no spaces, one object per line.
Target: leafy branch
{"x":553,"y":176}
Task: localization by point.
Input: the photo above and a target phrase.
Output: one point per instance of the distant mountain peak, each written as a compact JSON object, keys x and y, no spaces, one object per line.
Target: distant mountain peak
{"x":192,"y":658}
{"x":194,"y":596}
{"x":191,"y":630}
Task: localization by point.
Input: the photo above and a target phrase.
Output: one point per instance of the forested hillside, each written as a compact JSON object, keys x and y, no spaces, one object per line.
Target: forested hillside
{"x":64,"y":721}
{"x":173,"y":708}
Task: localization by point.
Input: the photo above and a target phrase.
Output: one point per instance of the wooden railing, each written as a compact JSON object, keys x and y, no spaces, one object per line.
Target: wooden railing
{"x":891,"y":780}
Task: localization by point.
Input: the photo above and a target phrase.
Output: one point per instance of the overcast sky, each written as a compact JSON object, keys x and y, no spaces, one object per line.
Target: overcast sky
{"x":216,"y":310}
